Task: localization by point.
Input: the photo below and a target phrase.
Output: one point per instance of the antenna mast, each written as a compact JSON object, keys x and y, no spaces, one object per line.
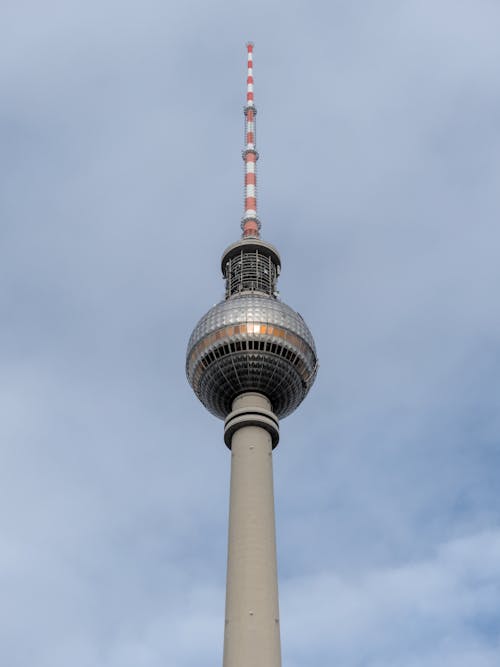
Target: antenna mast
{"x":250,"y":223}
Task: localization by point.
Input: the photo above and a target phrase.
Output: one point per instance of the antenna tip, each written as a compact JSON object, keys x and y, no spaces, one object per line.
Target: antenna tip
{"x":250,"y":46}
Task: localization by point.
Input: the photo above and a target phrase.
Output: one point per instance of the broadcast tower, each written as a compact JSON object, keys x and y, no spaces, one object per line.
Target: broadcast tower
{"x":251,"y":360}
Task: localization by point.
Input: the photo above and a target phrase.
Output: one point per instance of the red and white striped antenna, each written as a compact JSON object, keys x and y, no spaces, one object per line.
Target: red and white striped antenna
{"x":250,"y":223}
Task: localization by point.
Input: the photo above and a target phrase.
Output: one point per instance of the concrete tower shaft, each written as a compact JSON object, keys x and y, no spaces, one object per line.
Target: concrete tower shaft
{"x":252,"y":632}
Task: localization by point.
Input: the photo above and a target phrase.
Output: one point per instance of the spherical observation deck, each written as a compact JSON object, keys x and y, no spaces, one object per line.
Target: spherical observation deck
{"x":251,"y":342}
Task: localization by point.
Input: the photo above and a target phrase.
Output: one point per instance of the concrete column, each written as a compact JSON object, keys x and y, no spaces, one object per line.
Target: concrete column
{"x":252,"y":633}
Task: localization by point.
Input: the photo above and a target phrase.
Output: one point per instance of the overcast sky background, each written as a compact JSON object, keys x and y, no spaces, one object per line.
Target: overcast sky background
{"x":121,"y":127}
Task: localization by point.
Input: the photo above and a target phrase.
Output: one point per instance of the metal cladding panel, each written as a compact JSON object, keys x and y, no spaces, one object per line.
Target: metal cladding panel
{"x":251,"y":343}
{"x":251,"y":308}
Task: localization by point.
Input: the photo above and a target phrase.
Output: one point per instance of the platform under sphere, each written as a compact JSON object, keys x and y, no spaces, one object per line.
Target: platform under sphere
{"x":251,"y":343}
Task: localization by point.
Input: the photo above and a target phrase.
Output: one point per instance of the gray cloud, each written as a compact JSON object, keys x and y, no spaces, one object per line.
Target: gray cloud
{"x":120,"y":186}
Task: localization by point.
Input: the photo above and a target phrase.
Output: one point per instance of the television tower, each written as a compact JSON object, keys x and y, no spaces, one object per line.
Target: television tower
{"x":251,"y":360}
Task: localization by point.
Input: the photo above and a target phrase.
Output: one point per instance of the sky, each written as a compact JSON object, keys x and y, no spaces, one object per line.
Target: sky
{"x":121,"y":130}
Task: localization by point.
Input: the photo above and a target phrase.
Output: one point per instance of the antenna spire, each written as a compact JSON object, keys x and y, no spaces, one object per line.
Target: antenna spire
{"x":250,"y":223}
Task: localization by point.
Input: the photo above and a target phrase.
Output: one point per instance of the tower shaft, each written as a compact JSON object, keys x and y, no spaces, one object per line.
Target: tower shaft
{"x":252,"y":633}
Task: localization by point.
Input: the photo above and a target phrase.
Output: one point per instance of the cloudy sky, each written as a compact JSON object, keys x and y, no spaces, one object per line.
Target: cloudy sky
{"x":121,"y":183}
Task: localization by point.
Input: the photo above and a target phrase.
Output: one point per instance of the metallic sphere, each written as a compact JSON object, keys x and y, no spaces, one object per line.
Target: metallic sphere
{"x":251,"y":342}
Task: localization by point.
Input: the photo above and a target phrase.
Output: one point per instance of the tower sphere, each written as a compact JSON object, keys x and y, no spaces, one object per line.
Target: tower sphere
{"x":251,"y":342}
